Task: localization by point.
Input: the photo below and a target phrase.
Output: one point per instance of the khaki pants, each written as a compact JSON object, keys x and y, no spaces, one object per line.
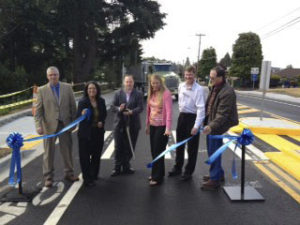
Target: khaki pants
{"x":65,"y":147}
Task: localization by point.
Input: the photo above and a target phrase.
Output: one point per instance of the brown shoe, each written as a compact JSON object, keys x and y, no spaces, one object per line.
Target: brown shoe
{"x":71,"y":178}
{"x":48,"y":183}
{"x":207,"y":177}
{"x":210,"y":185}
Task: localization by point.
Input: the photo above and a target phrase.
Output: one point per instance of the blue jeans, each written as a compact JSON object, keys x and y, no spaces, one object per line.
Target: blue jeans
{"x":216,"y":171}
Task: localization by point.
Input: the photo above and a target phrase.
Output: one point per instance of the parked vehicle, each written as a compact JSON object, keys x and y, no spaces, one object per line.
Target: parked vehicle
{"x":142,"y":71}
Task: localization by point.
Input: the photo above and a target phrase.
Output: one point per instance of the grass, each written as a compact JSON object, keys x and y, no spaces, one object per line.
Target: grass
{"x":295,"y":92}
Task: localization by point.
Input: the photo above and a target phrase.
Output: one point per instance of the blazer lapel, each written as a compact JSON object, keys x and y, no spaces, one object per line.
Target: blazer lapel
{"x":61,"y":93}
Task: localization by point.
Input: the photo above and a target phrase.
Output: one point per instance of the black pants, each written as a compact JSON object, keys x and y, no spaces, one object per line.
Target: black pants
{"x":123,"y":153}
{"x":90,"y":150}
{"x":158,"y":143}
{"x":185,"y":125}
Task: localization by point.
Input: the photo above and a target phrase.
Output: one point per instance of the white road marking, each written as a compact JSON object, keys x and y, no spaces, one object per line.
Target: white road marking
{"x":37,"y":199}
{"x":12,"y":210}
{"x":168,"y":155}
{"x":270,"y":100}
{"x":6,"y":219}
{"x":109,"y":150}
{"x":64,"y":203}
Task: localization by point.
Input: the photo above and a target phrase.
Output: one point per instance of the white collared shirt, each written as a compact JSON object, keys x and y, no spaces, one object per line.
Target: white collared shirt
{"x":192,"y":100}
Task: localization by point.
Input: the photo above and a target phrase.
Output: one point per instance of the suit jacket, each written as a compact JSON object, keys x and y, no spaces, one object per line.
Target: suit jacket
{"x":135,"y":104}
{"x":223,"y":113}
{"x":49,"y":111}
{"x":85,"y":126}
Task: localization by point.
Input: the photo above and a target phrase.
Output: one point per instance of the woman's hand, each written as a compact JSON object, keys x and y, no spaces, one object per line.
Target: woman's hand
{"x":100,"y":124}
{"x":147,"y":129}
{"x":167,"y":132}
{"x":83,"y":111}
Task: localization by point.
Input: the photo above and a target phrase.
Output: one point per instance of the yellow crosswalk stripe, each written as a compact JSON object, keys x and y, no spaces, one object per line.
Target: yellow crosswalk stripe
{"x":247,"y":111}
{"x":281,"y":184}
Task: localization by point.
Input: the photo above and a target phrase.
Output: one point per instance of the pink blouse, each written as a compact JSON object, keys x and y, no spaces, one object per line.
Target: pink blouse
{"x":160,"y":115}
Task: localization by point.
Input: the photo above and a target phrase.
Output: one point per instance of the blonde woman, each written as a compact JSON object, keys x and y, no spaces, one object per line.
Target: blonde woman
{"x":158,"y":124}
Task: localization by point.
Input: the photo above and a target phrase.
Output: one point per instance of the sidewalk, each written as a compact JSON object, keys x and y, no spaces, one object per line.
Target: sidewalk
{"x":274,"y":96}
{"x":27,"y":112}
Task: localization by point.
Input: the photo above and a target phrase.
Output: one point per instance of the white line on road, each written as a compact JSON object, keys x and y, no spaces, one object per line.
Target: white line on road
{"x":109,"y":150}
{"x":270,"y":100}
{"x":64,"y":203}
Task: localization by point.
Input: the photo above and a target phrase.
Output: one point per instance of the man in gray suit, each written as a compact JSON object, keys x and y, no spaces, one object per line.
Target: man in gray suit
{"x":127,"y":105}
{"x":55,"y":109}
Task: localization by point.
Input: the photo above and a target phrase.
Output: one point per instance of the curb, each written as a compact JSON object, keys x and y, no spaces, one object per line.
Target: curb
{"x":9,"y":118}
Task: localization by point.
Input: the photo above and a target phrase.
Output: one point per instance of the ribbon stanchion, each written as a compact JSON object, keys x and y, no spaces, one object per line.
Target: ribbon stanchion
{"x":237,"y":193}
{"x":15,"y":142}
{"x":171,"y":148}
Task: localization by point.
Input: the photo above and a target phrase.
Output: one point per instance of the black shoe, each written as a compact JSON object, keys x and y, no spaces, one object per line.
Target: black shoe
{"x":186,"y":177}
{"x":174,"y":172}
{"x":115,"y":173}
{"x":207,"y":177}
{"x":128,"y":171}
{"x":89,"y":183}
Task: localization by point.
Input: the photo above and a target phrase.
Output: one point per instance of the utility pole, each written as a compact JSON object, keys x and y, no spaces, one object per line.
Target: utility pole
{"x":198,"y":58}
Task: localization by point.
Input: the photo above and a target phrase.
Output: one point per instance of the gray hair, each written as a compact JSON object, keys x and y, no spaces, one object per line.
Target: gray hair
{"x":52,"y":68}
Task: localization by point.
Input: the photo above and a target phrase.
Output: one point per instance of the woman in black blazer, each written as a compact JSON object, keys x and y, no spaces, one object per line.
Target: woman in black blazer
{"x":91,"y":132}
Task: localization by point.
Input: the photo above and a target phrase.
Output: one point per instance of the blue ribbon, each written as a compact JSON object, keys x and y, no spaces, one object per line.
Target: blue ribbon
{"x":171,"y":148}
{"x":246,"y":138}
{"x":15,"y":142}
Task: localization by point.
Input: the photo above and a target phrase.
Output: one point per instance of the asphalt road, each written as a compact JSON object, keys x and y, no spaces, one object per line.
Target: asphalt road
{"x":128,"y":199}
{"x":290,"y":110}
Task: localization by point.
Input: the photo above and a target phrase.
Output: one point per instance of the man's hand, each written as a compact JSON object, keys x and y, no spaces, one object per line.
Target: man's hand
{"x":127,"y":113}
{"x":122,"y":107}
{"x":40,"y":131}
{"x":194,"y":131}
{"x":207,"y":130}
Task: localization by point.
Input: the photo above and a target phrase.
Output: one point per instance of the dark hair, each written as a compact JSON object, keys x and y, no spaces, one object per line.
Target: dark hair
{"x":128,"y":75}
{"x":220,"y":70}
{"x":85,"y":91}
{"x":190,"y":69}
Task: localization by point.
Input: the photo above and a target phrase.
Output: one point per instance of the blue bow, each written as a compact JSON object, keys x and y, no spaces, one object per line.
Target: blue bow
{"x":15,"y":142}
{"x":246,"y":138}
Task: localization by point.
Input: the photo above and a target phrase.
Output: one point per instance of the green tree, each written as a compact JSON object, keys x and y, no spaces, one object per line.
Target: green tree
{"x":207,"y":62}
{"x":187,"y":62}
{"x":226,"y":60}
{"x":247,"y":53}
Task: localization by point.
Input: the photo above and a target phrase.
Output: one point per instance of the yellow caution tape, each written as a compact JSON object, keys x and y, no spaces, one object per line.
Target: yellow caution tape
{"x":16,"y":104}
{"x":14,"y":93}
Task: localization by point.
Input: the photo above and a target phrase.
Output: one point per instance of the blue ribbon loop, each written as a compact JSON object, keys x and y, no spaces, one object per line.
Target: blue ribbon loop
{"x":15,"y":142}
{"x":171,"y":148}
{"x":246,"y":138}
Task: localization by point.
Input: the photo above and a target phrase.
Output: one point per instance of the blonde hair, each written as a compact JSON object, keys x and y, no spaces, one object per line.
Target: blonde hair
{"x":160,"y":92}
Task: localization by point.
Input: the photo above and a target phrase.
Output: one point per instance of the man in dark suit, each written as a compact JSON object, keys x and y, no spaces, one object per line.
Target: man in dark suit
{"x":127,"y":105}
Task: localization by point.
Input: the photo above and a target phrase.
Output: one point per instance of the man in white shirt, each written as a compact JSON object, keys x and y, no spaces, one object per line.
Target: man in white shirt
{"x":192,"y":112}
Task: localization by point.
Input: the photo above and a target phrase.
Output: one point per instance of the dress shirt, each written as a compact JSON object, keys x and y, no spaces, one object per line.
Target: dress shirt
{"x":55,"y":90}
{"x":192,"y":100}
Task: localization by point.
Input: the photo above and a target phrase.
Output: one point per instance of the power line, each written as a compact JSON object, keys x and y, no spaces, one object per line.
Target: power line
{"x":282,"y":27}
{"x":280,"y":18}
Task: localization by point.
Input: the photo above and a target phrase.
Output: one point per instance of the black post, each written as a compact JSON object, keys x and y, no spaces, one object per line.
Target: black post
{"x":20,"y":187}
{"x":243,"y":172}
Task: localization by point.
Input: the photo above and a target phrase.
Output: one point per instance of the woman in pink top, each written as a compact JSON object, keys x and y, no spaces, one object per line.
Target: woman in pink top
{"x":158,"y":124}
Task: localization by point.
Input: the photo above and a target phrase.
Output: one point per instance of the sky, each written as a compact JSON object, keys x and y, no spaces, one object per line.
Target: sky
{"x":221,"y":22}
